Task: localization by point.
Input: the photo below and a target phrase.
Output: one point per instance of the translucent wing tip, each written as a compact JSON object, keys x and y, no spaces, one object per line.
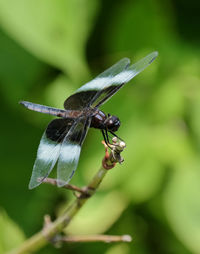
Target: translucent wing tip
{"x":142,"y":64}
{"x":61,"y":183}
{"x":148,"y":59}
{"x":126,"y":59}
{"x":124,"y":62}
{"x":33,"y":184}
{"x":22,"y":102}
{"x":152,"y":56}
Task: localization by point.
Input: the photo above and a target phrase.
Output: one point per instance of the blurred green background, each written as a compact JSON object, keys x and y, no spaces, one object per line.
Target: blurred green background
{"x":50,"y":48}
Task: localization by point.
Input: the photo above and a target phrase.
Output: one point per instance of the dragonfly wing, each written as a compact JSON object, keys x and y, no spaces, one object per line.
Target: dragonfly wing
{"x":104,"y":86}
{"x":70,"y":151}
{"x":119,"y":80}
{"x":49,"y":150}
{"x":86,"y":93}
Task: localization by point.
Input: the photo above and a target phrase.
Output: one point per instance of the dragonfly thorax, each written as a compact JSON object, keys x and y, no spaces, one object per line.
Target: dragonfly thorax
{"x":101,"y":121}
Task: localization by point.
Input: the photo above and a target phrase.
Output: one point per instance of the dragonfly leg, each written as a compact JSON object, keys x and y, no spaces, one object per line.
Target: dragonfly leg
{"x":106,"y":138}
{"x":106,"y":132}
{"x":116,"y":135}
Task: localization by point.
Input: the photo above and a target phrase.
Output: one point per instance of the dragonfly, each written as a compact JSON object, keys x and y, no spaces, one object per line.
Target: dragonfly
{"x":63,"y":138}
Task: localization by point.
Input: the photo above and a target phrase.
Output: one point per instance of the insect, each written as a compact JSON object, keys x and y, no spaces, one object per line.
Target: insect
{"x":64,"y":136}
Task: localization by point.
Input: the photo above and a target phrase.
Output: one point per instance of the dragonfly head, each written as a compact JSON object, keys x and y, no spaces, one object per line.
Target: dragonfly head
{"x":112,"y":123}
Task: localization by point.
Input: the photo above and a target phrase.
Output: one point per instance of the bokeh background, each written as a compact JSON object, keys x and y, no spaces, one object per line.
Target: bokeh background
{"x":50,"y":48}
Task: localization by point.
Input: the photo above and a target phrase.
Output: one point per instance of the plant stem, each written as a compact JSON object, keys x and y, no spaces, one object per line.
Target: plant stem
{"x":41,"y":238}
{"x":52,"y":229}
{"x":97,"y":238}
{"x":53,"y":181}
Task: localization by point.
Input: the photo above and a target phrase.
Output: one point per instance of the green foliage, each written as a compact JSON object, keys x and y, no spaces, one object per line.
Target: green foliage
{"x":153,"y":195}
{"x":51,"y":30}
{"x":10,"y":235}
{"x":181,"y":198}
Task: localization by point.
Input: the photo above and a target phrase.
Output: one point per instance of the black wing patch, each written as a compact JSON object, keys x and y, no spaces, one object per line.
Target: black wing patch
{"x":79,"y":100}
{"x":58,"y":128}
{"x":49,"y":149}
{"x":61,"y":142}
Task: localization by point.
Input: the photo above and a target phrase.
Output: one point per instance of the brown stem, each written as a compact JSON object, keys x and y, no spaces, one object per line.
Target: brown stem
{"x":53,"y":181}
{"x":97,"y":238}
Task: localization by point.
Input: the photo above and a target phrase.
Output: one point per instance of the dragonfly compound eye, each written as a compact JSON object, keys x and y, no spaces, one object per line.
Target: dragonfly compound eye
{"x":113,"y":123}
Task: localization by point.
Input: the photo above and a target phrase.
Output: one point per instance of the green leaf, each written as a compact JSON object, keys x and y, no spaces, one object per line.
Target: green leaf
{"x":169,"y":101}
{"x":144,"y":180}
{"x":10,"y":234}
{"x":120,"y":248}
{"x":101,"y":214}
{"x":19,"y":70}
{"x":57,"y":91}
{"x":182,"y":205}
{"x":54,"y":31}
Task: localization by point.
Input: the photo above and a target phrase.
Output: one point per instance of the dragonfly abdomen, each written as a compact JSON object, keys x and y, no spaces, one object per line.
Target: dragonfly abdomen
{"x":50,"y":110}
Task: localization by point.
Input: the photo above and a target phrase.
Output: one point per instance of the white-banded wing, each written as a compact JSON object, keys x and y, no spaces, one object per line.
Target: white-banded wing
{"x":105,"y":85}
{"x":49,"y":150}
{"x":117,"y":81}
{"x":70,"y":151}
{"x":83,"y":97}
